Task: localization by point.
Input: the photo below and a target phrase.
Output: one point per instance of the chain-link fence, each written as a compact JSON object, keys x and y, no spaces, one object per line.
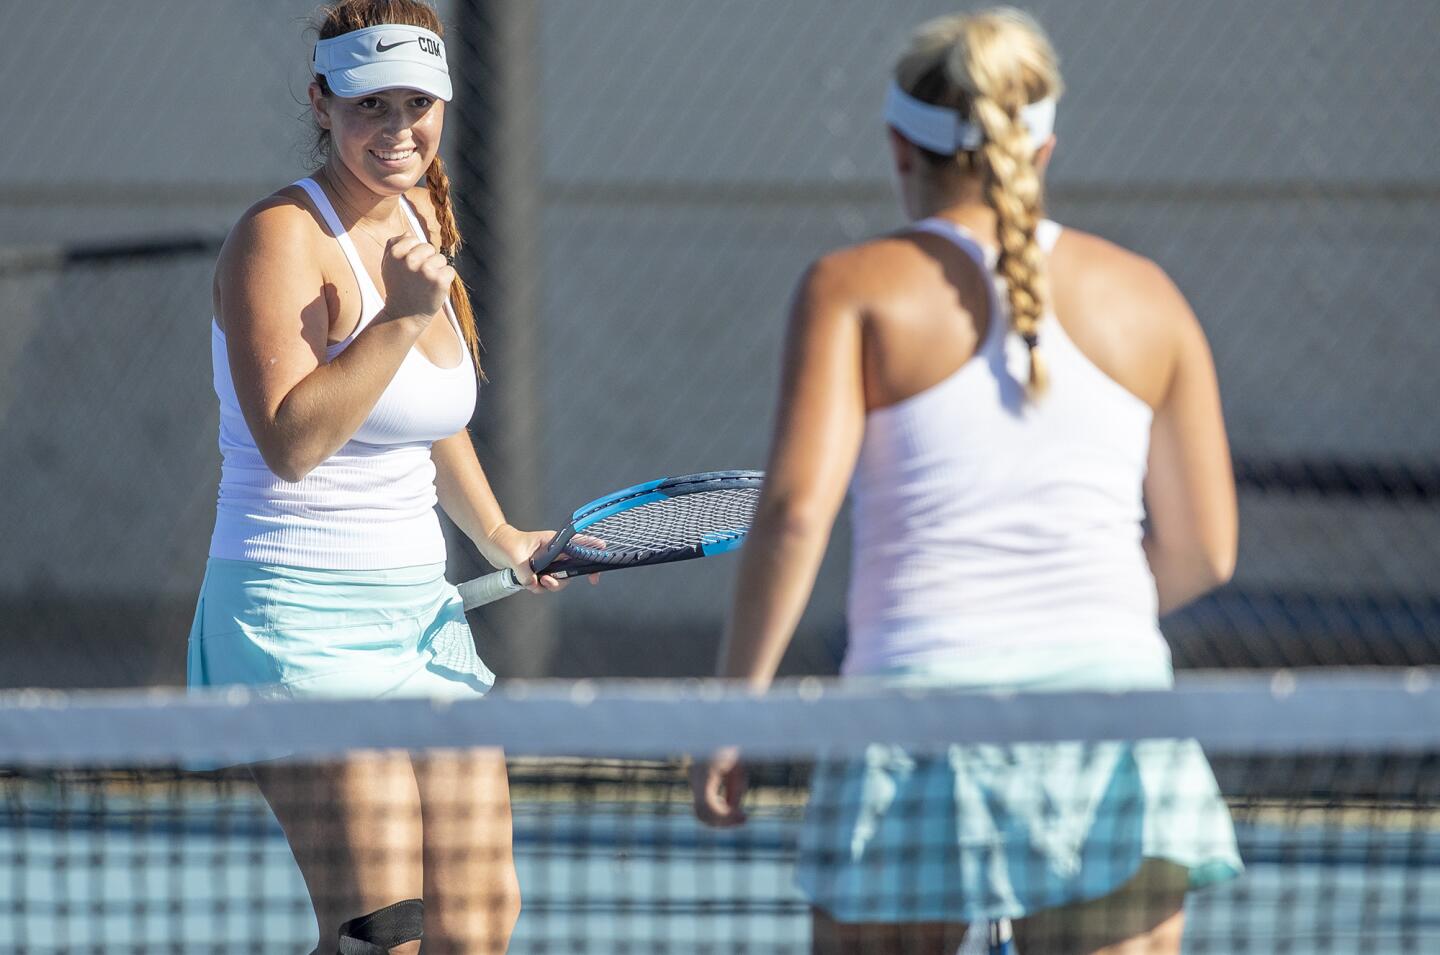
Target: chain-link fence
{"x":642,"y":182}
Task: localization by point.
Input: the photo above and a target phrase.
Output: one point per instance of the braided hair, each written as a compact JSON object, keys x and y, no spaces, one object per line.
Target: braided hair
{"x":987,"y":66}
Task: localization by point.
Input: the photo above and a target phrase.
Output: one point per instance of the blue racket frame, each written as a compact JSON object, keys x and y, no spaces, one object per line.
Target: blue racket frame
{"x":563,"y":557}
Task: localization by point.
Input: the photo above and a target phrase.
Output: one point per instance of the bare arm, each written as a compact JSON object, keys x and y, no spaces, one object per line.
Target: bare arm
{"x":299,"y":409}
{"x":1190,"y":485}
{"x":465,"y":495}
{"x":817,"y":436}
{"x":818,"y":429}
{"x":464,"y":490}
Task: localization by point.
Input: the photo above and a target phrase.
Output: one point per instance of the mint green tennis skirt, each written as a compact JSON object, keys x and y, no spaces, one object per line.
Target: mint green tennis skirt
{"x":975,"y":832}
{"x":297,"y":632}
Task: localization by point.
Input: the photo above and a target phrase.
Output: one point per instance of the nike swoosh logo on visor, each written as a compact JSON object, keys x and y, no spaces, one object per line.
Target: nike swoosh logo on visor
{"x":381,"y":46}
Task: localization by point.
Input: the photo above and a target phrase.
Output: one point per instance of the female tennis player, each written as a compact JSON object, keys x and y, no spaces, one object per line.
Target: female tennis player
{"x":996,"y":392}
{"x":345,"y":360}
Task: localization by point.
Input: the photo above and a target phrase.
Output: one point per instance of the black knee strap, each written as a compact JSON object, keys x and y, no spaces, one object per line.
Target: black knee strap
{"x":382,"y":930}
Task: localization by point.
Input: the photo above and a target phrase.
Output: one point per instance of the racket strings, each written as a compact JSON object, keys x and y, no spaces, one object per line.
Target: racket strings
{"x":687,"y":522}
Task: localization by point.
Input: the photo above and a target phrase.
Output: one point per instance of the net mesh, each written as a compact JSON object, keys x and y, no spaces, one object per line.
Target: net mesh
{"x":126,"y":825}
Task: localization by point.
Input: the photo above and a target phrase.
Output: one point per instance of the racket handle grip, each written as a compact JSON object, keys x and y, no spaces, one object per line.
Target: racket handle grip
{"x":1001,"y":941}
{"x":488,"y":589}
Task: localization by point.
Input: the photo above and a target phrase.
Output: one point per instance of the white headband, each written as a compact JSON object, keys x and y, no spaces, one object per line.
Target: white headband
{"x":941,"y":130}
{"x":393,"y":56}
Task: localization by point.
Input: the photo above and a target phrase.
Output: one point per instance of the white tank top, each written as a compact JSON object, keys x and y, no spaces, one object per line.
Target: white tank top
{"x":371,"y":504}
{"x":986,"y":523}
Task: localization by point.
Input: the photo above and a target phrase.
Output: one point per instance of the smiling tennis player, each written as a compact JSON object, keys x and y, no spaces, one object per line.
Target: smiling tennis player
{"x":995,"y":391}
{"x":345,"y":360}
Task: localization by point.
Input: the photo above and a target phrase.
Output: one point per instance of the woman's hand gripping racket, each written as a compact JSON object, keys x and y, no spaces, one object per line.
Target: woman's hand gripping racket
{"x":676,"y":518}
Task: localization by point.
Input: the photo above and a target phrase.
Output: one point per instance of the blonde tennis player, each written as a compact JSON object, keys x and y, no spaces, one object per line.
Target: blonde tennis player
{"x":995,"y":391}
{"x":345,"y":360}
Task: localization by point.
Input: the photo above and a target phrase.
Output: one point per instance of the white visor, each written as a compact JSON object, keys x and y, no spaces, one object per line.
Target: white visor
{"x":941,"y":130}
{"x":393,"y":56}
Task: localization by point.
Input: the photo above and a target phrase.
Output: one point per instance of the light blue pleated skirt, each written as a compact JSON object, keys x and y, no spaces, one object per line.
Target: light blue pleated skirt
{"x":976,"y":832}
{"x":298,"y":632}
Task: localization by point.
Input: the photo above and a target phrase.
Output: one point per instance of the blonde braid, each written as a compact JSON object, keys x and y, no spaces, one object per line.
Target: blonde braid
{"x":1012,"y":189}
{"x":1003,"y":61}
{"x":987,"y":66}
{"x":439,"y":185}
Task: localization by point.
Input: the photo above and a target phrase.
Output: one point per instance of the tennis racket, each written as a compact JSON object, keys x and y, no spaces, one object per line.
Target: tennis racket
{"x":670,"y":519}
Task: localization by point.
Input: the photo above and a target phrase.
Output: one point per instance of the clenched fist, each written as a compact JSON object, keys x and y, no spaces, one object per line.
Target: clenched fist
{"x":417,"y":278}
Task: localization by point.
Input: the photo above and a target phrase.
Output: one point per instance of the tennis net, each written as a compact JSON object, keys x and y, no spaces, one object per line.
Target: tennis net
{"x":128,"y":822}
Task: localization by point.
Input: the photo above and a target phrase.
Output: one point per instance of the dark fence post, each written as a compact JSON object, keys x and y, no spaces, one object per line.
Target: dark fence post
{"x":494,"y":139}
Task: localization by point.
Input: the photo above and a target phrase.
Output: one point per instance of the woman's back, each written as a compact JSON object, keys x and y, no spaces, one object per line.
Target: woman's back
{"x":985,"y":520}
{"x":996,"y":438}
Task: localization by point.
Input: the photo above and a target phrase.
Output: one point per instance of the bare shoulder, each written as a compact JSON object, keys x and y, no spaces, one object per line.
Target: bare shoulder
{"x":272,"y":255}
{"x":1124,"y":313}
{"x":1136,"y":290}
{"x":1114,"y":261}
{"x":879,"y":268}
{"x":282,"y":224}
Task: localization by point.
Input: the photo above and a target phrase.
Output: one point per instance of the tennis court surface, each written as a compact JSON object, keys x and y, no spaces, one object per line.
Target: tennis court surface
{"x":118,"y":835}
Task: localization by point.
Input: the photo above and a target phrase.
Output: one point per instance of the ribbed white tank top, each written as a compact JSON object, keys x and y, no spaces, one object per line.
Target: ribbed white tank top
{"x":986,"y":523}
{"x":370,"y":505}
